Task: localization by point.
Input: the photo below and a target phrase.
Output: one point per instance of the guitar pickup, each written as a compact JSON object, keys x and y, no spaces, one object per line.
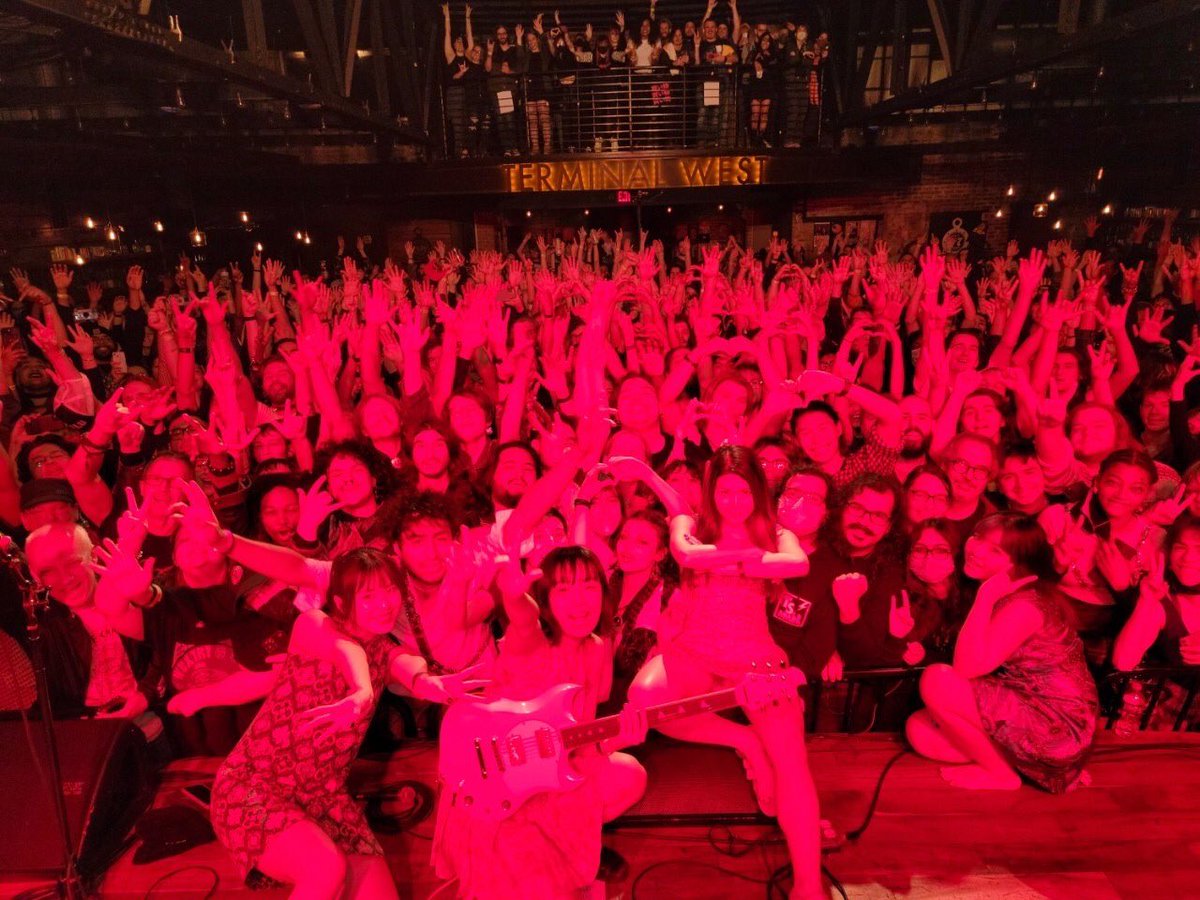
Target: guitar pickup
{"x":516,"y":751}
{"x":545,"y":743}
{"x":496,"y":752}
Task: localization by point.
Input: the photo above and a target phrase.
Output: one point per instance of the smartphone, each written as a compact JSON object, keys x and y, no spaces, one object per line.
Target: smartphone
{"x":85,"y":315}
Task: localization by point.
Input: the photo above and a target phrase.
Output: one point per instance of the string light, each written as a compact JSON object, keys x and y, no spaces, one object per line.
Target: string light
{"x":307,"y":239}
{"x":158,"y":225}
{"x":245,"y":217}
{"x":197,"y":237}
{"x":529,"y":213}
{"x":668,"y":210}
{"x":720,"y":207}
{"x":999,"y":214}
{"x":1052,"y":196}
{"x":89,"y":223}
{"x":1040,"y":210}
{"x":299,"y":235}
{"x":1107,"y":211}
{"x":111,"y":233}
{"x":79,"y":260}
{"x":1100,"y":174}
{"x":258,"y":246}
{"x":1058,"y":224}
{"x":587,"y":212}
{"x":1012,"y":191}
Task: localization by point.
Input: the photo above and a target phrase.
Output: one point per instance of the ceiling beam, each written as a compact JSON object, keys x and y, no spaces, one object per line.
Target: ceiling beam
{"x":109,"y":20}
{"x":1152,"y":17}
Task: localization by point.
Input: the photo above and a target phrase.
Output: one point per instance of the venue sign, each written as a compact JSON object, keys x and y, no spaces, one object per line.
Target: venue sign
{"x":635,"y":173}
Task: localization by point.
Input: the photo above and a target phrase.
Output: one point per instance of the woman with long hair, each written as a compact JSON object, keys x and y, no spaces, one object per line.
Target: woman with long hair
{"x":715,"y":633}
{"x":1018,"y":699}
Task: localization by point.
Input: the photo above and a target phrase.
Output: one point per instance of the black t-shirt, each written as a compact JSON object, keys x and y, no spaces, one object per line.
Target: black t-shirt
{"x":803,"y":617}
{"x":511,"y":55}
{"x":867,"y":643}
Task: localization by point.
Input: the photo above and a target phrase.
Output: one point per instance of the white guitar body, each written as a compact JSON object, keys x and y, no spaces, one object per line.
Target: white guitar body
{"x":495,"y":756}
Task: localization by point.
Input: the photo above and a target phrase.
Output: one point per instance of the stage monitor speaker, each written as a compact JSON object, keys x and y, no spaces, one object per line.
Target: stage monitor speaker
{"x":691,"y":784}
{"x":108,"y":782}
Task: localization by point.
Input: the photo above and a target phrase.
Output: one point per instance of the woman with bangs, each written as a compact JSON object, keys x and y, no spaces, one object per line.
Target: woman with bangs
{"x":280,"y":804}
{"x":559,"y":619}
{"x":1018,"y":699}
{"x":716,"y":632}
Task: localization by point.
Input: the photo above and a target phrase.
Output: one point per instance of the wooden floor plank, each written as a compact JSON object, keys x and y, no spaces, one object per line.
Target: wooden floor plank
{"x":1135,"y":833}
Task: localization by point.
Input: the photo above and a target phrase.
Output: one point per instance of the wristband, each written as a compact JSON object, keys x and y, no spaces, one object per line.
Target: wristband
{"x":90,"y":445}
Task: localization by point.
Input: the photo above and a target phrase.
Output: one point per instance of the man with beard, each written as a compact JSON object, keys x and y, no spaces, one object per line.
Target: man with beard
{"x":870,"y":576}
{"x":277,"y":386}
{"x":916,"y":422}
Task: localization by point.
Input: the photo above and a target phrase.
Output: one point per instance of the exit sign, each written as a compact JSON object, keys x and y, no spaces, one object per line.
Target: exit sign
{"x":624,"y":197}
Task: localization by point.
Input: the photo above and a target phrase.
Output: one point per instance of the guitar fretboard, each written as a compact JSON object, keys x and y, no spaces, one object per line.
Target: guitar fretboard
{"x":610,"y":726}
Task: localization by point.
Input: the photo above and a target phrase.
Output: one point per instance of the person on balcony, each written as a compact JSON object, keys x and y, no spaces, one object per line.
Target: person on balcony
{"x":539,"y":85}
{"x":505,"y":63}
{"x":459,"y":76}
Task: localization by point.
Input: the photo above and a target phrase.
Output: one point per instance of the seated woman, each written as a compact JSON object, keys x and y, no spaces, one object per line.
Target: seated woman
{"x":1018,"y":699}
{"x":550,"y":847}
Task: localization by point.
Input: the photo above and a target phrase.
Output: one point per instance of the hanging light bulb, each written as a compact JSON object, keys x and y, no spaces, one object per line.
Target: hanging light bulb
{"x":587,"y":212}
{"x":1040,"y":210}
{"x":1012,"y":191}
{"x":258,"y":246}
{"x":999,"y":214}
{"x":299,"y":235}
{"x":720,"y":207}
{"x":668,"y":210}
{"x":158,"y":225}
{"x":1107,"y":211}
{"x":197,"y":237}
{"x":307,"y":239}
{"x":89,"y":222}
{"x":245,"y":217}
{"x":1058,"y":224}
{"x":1100,"y":174}
{"x":111,"y":233}
{"x":79,"y":260}
{"x":529,"y":213}
{"x":1052,"y":196}
{"x":179,"y":101}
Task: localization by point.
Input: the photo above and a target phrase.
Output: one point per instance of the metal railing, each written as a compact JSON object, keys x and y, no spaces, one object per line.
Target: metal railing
{"x":628,"y":109}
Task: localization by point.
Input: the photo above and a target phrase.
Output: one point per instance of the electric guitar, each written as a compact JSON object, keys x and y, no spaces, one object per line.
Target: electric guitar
{"x":495,"y":756}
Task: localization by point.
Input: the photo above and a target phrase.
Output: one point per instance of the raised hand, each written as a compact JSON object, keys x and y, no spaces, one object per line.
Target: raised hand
{"x":462,"y":685}
{"x":1150,"y":328}
{"x":131,"y":524}
{"x":62,"y":277}
{"x":1029,"y":271}
{"x":848,"y":591}
{"x":316,"y":505}
{"x":322,"y":722}
{"x":900,"y":617}
{"x":120,"y":574}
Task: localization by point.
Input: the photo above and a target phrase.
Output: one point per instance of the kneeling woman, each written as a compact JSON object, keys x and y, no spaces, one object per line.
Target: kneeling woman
{"x":280,"y":804}
{"x":1018,"y":699}
{"x":550,"y":847}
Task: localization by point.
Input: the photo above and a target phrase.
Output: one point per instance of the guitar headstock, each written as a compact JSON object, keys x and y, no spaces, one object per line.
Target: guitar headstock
{"x":769,"y":684}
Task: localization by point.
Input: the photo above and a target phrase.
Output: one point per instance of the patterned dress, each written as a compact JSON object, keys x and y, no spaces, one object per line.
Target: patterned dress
{"x":1041,"y":706}
{"x":275,"y":777}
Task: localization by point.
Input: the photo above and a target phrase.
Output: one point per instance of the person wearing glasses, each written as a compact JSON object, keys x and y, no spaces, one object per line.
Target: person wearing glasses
{"x":935,"y":596}
{"x":971,"y":462}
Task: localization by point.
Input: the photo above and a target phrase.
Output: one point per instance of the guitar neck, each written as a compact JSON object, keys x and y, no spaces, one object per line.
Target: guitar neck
{"x":608,"y":727}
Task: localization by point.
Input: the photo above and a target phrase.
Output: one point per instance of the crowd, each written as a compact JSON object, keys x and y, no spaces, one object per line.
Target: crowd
{"x":652,"y":84}
{"x":645,"y":469}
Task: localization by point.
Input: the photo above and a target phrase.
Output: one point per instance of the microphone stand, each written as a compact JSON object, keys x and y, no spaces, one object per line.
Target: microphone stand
{"x":36,"y":601}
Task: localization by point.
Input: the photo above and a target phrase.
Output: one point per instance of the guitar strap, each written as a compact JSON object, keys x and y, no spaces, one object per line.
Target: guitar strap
{"x":627,"y":621}
{"x":418,"y":631}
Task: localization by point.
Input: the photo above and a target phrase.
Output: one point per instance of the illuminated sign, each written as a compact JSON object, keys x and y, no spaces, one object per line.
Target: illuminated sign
{"x":629,"y":174}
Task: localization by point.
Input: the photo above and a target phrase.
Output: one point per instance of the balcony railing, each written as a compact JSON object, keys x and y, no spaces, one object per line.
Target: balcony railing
{"x":629,"y":109}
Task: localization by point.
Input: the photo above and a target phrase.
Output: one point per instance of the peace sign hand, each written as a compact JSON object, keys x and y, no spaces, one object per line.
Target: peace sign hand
{"x":131,"y":526}
{"x":1165,"y":512}
{"x":900,"y":617}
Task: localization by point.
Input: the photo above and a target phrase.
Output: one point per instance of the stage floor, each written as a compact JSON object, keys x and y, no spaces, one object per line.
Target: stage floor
{"x":1134,"y":833}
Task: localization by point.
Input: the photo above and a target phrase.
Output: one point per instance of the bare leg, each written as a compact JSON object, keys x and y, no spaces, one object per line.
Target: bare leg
{"x":926,"y":738}
{"x":303,"y":855}
{"x":781,"y":729}
{"x":652,"y":685}
{"x":951,"y":704}
{"x":623,"y":783}
{"x":369,"y":878}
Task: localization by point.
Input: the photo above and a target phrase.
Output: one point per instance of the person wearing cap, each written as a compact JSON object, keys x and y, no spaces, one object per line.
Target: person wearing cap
{"x":48,"y":501}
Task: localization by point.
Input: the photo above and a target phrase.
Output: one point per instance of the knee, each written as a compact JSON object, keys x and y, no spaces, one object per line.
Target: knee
{"x":936,"y":682}
{"x":327,"y":871}
{"x":915,"y":727}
